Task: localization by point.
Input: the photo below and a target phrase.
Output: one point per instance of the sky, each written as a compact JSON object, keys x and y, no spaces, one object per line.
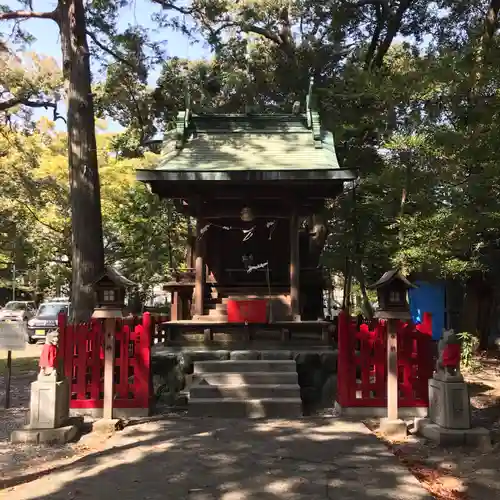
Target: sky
{"x":139,"y":13}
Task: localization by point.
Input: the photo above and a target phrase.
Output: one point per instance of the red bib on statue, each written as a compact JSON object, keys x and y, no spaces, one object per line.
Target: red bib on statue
{"x":451,"y":355}
{"x":48,"y":356}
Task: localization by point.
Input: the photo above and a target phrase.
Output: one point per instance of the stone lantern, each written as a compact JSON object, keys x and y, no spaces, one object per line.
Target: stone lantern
{"x":393,"y":307}
{"x":110,"y":290}
{"x":391,"y":290}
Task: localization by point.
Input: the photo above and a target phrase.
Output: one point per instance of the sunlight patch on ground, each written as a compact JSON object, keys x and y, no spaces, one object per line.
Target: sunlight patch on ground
{"x":236,"y":495}
{"x":281,"y":486}
{"x":274,"y":425}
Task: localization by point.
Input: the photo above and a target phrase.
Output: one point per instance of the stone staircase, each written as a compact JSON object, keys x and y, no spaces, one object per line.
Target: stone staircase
{"x":245,"y":388}
{"x":215,"y":311}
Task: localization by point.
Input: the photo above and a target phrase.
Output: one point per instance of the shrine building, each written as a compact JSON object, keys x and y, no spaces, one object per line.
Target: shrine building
{"x":257,"y":185}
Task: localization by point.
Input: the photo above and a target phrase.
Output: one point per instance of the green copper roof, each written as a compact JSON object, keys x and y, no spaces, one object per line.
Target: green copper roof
{"x":248,"y":148}
{"x":248,"y":142}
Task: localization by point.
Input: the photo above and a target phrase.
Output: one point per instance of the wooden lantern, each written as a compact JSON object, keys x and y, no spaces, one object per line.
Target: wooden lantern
{"x":110,"y":291}
{"x":392,"y":290}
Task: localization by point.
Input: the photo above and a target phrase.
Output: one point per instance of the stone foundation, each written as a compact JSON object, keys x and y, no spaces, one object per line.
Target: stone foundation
{"x":476,"y":436}
{"x":172,"y":372}
{"x":449,"y":404}
{"x":49,"y":404}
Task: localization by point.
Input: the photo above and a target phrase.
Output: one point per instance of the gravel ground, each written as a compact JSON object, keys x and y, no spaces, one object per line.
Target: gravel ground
{"x":450,"y":474}
{"x":16,"y":459}
{"x":232,"y":459}
{"x":461,"y":473}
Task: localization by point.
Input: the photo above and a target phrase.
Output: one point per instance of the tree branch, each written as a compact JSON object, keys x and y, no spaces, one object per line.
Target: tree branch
{"x":15,"y":101}
{"x":251,"y":28}
{"x":168,"y":5}
{"x":379,"y":15}
{"x":361,"y":3}
{"x":381,"y":4}
{"x":393,"y":27}
{"x":140,"y":118}
{"x":35,"y":216}
{"x":27,"y":14}
{"x":109,"y":51}
{"x":491,"y":22}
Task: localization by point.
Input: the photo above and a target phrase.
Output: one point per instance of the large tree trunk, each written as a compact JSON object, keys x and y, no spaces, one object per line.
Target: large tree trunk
{"x":87,"y":245}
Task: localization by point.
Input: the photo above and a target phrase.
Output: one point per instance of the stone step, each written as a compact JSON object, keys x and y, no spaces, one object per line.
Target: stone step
{"x":244,"y":391}
{"x":268,"y":349}
{"x":218,"y":313}
{"x":219,"y":306}
{"x":255,"y":378}
{"x":244,"y":366}
{"x":209,"y":318}
{"x":251,"y":408}
{"x":225,"y":336}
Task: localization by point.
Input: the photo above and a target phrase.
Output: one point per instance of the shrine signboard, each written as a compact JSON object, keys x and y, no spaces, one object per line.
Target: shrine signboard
{"x":12,"y":337}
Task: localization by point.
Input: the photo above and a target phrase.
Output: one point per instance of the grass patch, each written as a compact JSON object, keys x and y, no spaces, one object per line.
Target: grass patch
{"x":20,"y":366}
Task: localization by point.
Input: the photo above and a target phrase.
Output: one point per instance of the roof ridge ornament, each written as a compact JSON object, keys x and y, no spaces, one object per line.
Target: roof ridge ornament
{"x":183,"y":118}
{"x":312,"y":116}
{"x":309,"y":103}
{"x":187,"y":105}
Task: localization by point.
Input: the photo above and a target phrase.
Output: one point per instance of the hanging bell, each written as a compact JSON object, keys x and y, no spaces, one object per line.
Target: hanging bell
{"x":246,"y":214}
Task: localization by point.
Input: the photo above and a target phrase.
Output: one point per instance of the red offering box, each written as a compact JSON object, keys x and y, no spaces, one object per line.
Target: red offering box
{"x":247,"y":311}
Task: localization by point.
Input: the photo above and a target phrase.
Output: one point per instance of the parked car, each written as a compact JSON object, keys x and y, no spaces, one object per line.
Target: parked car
{"x":45,"y":320}
{"x":18,"y":311}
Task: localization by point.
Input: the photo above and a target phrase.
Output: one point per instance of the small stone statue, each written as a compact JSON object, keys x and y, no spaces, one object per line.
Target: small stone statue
{"x":48,"y":358}
{"x":449,"y":350}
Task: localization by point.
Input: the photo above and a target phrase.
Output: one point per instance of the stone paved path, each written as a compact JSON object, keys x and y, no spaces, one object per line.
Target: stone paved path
{"x":215,"y":459}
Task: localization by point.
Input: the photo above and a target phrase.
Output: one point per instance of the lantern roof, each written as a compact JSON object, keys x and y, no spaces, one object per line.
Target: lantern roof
{"x":390,"y":276}
{"x":115,"y":277}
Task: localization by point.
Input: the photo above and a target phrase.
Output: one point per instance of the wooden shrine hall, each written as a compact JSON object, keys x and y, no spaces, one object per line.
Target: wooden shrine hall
{"x":257,"y":186}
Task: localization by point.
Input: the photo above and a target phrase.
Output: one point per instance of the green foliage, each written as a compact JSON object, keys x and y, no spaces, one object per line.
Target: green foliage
{"x":28,"y":81}
{"x":469,"y":348}
{"x":407,"y":87}
{"x":143,"y":235}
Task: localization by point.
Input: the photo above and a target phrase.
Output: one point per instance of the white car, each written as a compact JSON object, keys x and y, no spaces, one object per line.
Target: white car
{"x":18,"y":311}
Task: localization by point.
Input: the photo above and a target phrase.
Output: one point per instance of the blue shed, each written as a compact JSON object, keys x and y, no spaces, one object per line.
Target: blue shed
{"x":429,"y":297}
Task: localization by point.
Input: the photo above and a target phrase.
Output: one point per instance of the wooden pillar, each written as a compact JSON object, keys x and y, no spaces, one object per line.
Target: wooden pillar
{"x":189,"y":252}
{"x":180,"y":306}
{"x":392,"y":369}
{"x":174,"y":308}
{"x":109,"y":367}
{"x":199,"y":284}
{"x":294,"y":267}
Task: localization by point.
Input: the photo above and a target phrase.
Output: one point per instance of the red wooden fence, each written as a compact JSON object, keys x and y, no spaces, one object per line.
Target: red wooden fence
{"x":82,"y":350}
{"x":362,"y":362}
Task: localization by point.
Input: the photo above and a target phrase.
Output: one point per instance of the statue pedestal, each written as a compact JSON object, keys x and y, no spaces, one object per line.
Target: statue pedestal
{"x":49,"y":406}
{"x":449,"y":404}
{"x":449,"y":421}
{"x":49,"y":415}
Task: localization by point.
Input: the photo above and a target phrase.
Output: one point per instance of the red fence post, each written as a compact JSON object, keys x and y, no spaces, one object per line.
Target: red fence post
{"x":144,"y":362}
{"x":425,"y":354}
{"x":343,"y":359}
{"x":379,"y":358}
{"x":362,"y":377}
{"x":63,"y":343}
